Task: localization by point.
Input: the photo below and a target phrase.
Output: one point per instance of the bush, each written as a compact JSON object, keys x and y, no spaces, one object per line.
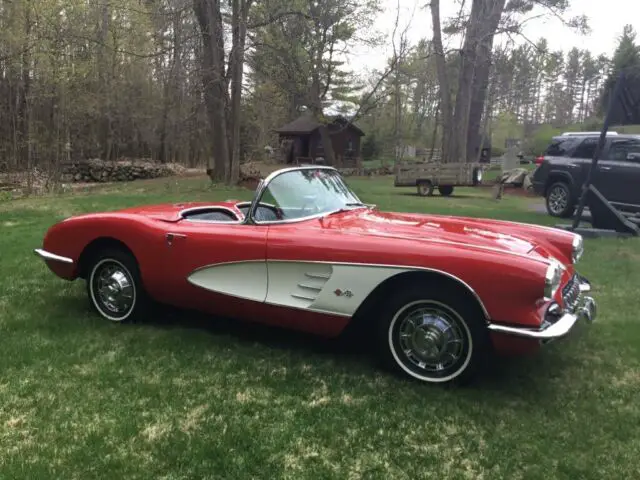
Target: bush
{"x":497,"y":151}
{"x":370,"y":147}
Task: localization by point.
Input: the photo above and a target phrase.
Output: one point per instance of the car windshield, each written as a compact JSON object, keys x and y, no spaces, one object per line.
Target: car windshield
{"x":305,"y":192}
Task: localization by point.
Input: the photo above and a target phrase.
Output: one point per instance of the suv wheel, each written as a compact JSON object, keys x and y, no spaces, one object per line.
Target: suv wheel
{"x":560,"y":202}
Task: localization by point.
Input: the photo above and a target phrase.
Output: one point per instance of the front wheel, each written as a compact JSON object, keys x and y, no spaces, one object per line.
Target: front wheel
{"x":114,"y":286}
{"x":434,"y":337}
{"x":560,"y":202}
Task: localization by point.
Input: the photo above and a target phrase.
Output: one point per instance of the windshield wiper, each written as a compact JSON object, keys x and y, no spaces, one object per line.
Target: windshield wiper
{"x":345,"y":209}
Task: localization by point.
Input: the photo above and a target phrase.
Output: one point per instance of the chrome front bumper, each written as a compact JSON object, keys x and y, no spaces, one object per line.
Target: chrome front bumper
{"x":584,"y":309}
{"x":52,"y":256}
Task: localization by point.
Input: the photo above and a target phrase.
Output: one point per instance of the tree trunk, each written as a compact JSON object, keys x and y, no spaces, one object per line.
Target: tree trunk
{"x":397,"y":116}
{"x":443,"y":77}
{"x":24,"y":104}
{"x":214,"y":83}
{"x":435,"y":131}
{"x":457,"y":146}
{"x":472,"y":81}
{"x":490,"y":18}
{"x":105,"y":133}
{"x":239,"y":35}
{"x":329,"y":155}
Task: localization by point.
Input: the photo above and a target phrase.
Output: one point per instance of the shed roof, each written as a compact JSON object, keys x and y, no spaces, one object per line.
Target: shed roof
{"x":306,"y":124}
{"x":302,"y":124}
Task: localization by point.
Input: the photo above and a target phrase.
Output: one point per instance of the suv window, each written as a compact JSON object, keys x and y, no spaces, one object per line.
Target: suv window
{"x":560,"y":146}
{"x":586,"y":149}
{"x":620,"y":149}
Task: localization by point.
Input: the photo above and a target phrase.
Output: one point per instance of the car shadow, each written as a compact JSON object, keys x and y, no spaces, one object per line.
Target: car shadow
{"x":251,"y":332}
{"x":505,"y":379}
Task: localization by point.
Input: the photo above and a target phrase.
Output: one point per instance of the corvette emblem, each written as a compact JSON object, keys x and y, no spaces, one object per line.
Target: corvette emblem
{"x":343,"y":293}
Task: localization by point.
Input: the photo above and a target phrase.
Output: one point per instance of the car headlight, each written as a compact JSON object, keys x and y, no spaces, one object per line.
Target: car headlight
{"x":552,"y":280}
{"x":578,"y":248}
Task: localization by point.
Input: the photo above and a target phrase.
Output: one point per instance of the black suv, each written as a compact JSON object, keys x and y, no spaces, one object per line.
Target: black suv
{"x":566,"y":162}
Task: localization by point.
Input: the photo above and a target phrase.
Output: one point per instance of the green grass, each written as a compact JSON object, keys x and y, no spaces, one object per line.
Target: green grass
{"x":185,"y":397}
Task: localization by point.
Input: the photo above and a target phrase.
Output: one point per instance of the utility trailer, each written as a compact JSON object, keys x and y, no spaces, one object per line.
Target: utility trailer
{"x":427,"y":176}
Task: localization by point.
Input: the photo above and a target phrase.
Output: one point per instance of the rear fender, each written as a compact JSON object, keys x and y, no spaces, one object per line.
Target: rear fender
{"x":559,"y":176}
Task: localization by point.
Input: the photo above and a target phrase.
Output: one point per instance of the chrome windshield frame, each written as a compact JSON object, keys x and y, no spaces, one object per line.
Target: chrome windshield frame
{"x":264,"y":184}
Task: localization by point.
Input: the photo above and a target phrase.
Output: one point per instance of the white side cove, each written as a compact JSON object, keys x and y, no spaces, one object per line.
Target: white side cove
{"x":331,"y":288}
{"x":337,"y":289}
{"x":240,"y":279}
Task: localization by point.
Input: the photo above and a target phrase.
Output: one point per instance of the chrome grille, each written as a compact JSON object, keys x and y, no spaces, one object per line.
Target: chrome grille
{"x":571,"y":294}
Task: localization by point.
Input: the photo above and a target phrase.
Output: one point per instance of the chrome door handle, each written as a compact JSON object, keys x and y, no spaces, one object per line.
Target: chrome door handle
{"x":605,"y":168}
{"x":171,"y":236}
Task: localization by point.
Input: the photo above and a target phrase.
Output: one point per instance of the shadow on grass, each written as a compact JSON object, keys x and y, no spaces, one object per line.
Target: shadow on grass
{"x":505,"y":377}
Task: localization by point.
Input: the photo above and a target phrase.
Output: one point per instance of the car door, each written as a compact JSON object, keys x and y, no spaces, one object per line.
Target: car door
{"x":216,"y":267}
{"x":619,"y":173}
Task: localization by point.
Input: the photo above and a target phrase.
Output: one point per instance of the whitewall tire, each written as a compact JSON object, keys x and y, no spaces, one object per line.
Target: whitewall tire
{"x":114,"y":286}
{"x":432,"y":337}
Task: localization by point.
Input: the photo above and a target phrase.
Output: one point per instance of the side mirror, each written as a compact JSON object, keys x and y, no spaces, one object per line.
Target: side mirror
{"x":633,"y":157}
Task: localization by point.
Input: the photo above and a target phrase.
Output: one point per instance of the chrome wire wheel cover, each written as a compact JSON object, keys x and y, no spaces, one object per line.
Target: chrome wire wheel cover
{"x":430,"y":341}
{"x":113,"y":290}
{"x":558,"y":199}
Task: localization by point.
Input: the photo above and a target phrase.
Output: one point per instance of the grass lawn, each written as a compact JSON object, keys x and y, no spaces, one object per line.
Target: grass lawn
{"x":184,"y":397}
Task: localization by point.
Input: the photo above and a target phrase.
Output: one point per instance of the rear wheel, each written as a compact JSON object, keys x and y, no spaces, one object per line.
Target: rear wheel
{"x":114,"y":286}
{"x":560,"y":202}
{"x":425,"y":188}
{"x":445,"y":190}
{"x":433,"y":336}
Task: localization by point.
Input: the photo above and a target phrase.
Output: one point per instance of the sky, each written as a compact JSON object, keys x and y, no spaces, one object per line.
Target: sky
{"x":606,"y":19}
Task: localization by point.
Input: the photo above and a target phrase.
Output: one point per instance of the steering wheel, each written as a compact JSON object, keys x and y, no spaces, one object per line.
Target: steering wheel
{"x":310,"y":204}
{"x":262,"y":208}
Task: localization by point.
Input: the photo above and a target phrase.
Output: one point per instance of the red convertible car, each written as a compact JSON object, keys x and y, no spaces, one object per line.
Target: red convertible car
{"x":438,"y":293}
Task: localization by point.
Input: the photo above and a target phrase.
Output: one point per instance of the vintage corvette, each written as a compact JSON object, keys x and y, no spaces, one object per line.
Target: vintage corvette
{"x":437,"y":293}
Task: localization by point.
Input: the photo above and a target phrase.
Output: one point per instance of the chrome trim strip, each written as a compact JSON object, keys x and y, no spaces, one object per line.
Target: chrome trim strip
{"x":558,"y":329}
{"x":323,"y":276}
{"x":52,"y":256}
{"x":323,"y":262}
{"x":309,"y":287}
{"x":214,"y":222}
{"x":182,"y":213}
{"x":303,"y":219}
{"x":303,"y":297}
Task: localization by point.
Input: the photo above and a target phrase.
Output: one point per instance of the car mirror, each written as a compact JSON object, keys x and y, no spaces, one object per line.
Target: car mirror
{"x":633,"y":157}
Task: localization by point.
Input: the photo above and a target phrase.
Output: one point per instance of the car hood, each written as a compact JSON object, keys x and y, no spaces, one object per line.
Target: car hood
{"x":431,"y":229}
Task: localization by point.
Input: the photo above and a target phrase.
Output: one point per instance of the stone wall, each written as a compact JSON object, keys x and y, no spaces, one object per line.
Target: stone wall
{"x":366,"y":172}
{"x":119,"y":171}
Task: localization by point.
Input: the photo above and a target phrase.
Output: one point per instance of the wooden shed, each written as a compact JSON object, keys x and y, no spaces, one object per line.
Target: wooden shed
{"x":301,"y":141}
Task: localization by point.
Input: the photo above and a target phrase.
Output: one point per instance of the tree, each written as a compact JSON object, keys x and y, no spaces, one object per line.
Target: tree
{"x":309,"y":73}
{"x":461,"y":120}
